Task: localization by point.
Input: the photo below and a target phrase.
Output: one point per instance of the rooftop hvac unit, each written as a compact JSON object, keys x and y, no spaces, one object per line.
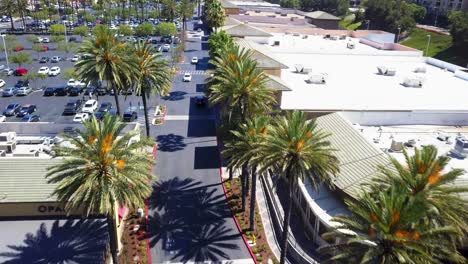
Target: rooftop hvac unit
{"x":387,"y":71}
{"x":7,"y":136}
{"x":276,"y":43}
{"x":461,"y":145}
{"x":414,"y":81}
{"x":396,"y":146}
{"x":2,"y":153}
{"x":350,"y":45}
{"x":420,"y":69}
{"x":318,"y":78}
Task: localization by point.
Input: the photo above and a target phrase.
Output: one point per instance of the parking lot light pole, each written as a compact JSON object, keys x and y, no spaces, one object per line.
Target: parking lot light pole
{"x":6,"y":53}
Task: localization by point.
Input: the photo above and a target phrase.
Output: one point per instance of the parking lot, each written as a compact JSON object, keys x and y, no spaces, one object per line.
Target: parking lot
{"x":50,"y":108}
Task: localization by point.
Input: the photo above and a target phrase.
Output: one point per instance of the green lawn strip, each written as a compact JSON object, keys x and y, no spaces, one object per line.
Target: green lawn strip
{"x":439,"y":48}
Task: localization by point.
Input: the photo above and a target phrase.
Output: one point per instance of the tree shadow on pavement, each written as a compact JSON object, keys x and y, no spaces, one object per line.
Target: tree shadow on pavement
{"x":188,"y":221}
{"x":71,"y":241}
{"x":170,"y":142}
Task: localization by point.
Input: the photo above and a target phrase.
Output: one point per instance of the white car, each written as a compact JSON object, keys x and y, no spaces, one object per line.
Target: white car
{"x":2,"y":118}
{"x":187,"y":77}
{"x":166,"y":47}
{"x":90,"y":106}
{"x":75,"y":58}
{"x":45,"y":40}
{"x":54,"y":71}
{"x":74,"y":83}
{"x":81,"y":117}
{"x":39,"y":39}
{"x":2,"y":83}
{"x":7,"y":71}
{"x":194,"y":60}
{"x":43,"y":70}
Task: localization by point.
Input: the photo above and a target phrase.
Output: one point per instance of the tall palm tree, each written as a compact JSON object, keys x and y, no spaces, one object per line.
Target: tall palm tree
{"x":385,"y":228}
{"x":101,"y":169}
{"x":242,"y":150}
{"x":296,"y":149}
{"x":238,"y":85}
{"x":185,"y":9}
{"x":426,"y":180}
{"x":106,"y":59}
{"x":153,"y":75}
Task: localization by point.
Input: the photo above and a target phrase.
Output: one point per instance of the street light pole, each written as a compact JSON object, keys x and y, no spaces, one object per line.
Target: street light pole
{"x":6,"y":53}
{"x":428,"y":43}
{"x":368,"y":24}
{"x":398,"y":37}
{"x":436,"y":15}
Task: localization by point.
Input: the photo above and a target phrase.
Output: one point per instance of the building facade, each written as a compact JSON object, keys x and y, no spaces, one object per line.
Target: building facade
{"x":443,"y":6}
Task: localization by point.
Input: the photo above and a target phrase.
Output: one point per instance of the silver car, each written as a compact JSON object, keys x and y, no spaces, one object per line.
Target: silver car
{"x":24,"y":91}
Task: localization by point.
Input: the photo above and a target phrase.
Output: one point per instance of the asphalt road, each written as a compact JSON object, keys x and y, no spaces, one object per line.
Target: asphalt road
{"x":189,"y":217}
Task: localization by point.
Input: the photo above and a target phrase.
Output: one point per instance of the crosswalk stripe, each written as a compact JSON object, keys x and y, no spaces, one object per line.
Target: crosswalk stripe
{"x":193,"y":72}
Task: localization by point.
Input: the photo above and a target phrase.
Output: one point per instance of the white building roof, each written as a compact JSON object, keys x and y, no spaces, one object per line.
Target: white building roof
{"x":353,"y":82}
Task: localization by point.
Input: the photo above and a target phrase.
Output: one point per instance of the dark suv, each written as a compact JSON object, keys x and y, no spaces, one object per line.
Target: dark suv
{"x":61,"y":91}
{"x":49,"y":91}
{"x":22,"y":83}
{"x":72,"y":107}
{"x":75,"y":91}
{"x":26,"y":110}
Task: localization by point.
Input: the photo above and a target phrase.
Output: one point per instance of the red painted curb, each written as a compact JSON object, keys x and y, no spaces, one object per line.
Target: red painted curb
{"x":150,"y":259}
{"x":232,"y":212}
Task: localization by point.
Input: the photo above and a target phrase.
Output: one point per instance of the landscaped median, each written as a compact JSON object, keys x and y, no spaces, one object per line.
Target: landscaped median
{"x":159,"y":115}
{"x":256,"y":239}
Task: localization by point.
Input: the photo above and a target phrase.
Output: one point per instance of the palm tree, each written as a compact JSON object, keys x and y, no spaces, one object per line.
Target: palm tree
{"x":105,"y":58}
{"x":101,"y":169}
{"x":185,"y":10}
{"x":238,"y":85}
{"x":242,"y":149}
{"x":296,"y":149}
{"x":153,"y":75}
{"x":385,"y":228}
{"x":426,"y":180}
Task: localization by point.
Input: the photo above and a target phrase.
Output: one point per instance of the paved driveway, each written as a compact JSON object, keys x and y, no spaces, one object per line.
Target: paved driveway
{"x":189,"y":217}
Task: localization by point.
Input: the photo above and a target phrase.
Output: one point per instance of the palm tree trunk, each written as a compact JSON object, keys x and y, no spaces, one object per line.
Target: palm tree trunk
{"x":286,"y":220}
{"x":243,"y":180}
{"x":112,"y":238}
{"x":231,"y":176}
{"x":253,"y":198}
{"x":145,"y":110}
{"x":116,"y":97}
{"x":11,"y":21}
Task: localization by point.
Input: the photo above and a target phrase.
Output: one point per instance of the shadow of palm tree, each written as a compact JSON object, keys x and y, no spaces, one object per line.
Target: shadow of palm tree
{"x":170,"y":142}
{"x":81,"y":241}
{"x":188,"y":220}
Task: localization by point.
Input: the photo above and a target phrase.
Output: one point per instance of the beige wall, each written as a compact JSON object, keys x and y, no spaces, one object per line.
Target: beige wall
{"x":275,"y":72}
{"x":231,"y":11}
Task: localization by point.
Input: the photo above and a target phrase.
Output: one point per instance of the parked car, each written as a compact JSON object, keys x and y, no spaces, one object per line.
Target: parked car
{"x":23,"y":91}
{"x":100,"y":115}
{"x":75,"y":91}
{"x":20,"y":71}
{"x":200,"y":100}
{"x":166,"y":47}
{"x":26,"y":110}
{"x":9,"y":91}
{"x":158,"y":48}
{"x":72,"y":107}
{"x":2,"y":118}
{"x":101,"y":91}
{"x":90,"y":106}
{"x":45,"y":40}
{"x":194,"y":60}
{"x":105,"y":107}
{"x":2,"y":83}
{"x":187,"y":77}
{"x":19,"y":48}
{"x":74,"y":83}
{"x":44,"y":48}
{"x":49,"y":91}
{"x":11,"y":109}
{"x":81,"y":117}
{"x":54,"y":71}
{"x":90,"y":90}
{"x":61,"y":91}
{"x":44,"y":60}
{"x":128,"y":91}
{"x":21,"y":83}
{"x":43,"y":70}
{"x":7,"y":71}
{"x":130,"y":116}
{"x":55,"y":59}
{"x":31,"y":118}
{"x":72,"y":39}
{"x":75,"y":58}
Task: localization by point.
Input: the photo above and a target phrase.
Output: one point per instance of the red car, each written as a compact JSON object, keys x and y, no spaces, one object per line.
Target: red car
{"x":45,"y":48}
{"x":21,"y":71}
{"x":19,"y":48}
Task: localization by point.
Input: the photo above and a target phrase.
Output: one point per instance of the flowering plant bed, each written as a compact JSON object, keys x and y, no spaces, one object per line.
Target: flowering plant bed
{"x":256,"y":239}
{"x":135,"y":248}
